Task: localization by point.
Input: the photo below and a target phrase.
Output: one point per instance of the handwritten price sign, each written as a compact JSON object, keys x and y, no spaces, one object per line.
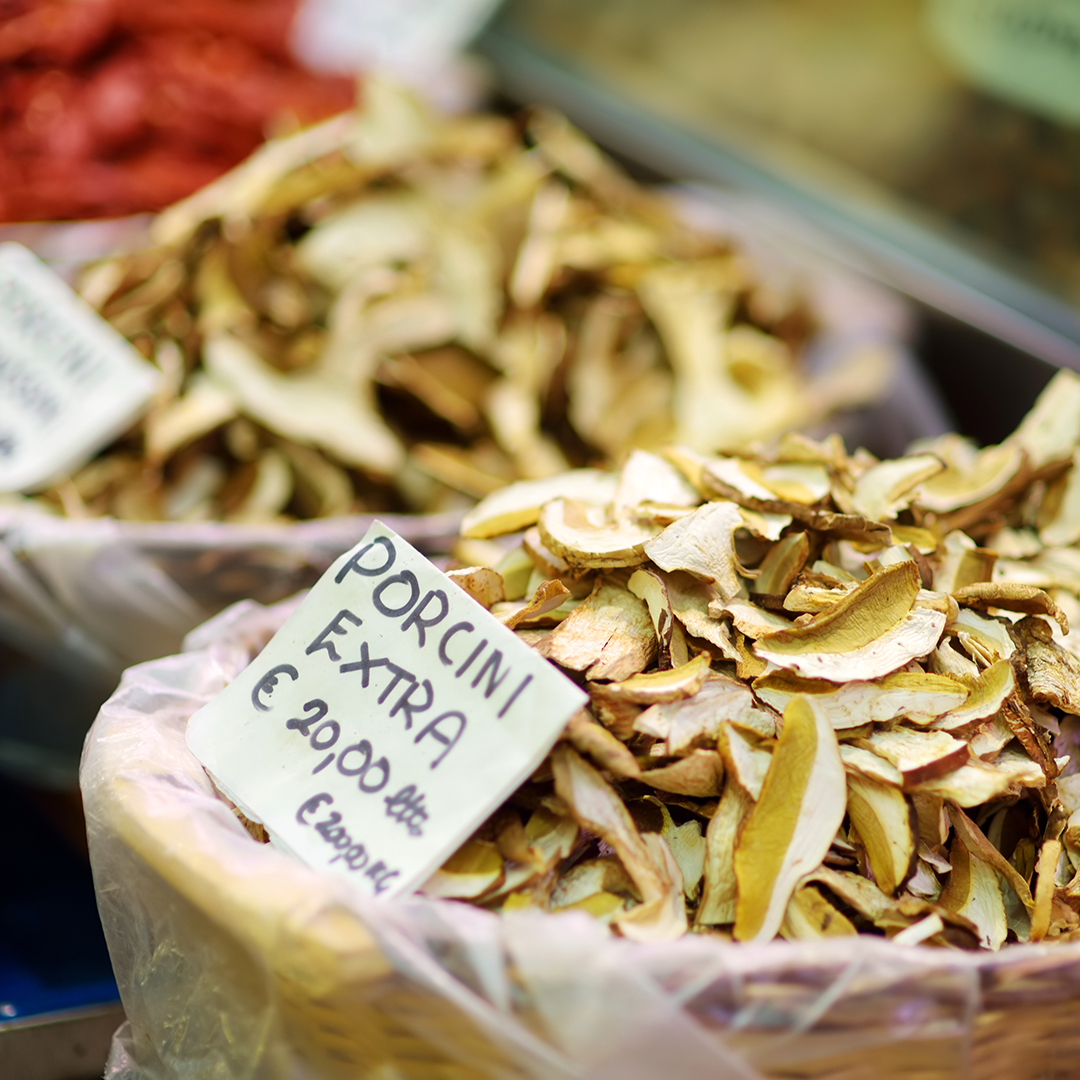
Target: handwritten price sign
{"x":385,"y":720}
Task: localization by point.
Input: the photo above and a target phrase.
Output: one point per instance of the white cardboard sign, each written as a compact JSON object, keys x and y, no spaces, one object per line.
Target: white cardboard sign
{"x":69,"y":383}
{"x":385,"y":720}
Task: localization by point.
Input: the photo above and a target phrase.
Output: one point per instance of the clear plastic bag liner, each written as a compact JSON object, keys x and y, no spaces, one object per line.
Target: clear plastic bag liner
{"x":236,"y":961}
{"x":98,"y":595}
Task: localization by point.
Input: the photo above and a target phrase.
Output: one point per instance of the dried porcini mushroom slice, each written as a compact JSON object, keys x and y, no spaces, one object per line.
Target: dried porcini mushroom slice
{"x":587,"y":539}
{"x":702,"y":543}
{"x":792,"y":824}
{"x":608,"y":636}
{"x":518,"y":505}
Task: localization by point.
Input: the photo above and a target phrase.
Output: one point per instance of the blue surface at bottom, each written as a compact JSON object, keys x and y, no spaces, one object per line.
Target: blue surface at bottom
{"x":52,"y":949}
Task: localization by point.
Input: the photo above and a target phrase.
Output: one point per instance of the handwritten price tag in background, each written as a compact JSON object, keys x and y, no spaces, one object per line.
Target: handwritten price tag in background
{"x":69,"y":383}
{"x":386,"y":719}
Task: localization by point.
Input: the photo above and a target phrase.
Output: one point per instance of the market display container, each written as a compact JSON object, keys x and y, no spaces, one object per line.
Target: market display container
{"x":234,"y":960}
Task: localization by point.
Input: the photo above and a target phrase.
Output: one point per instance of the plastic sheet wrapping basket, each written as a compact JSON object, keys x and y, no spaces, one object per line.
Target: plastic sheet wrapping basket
{"x":235,"y":961}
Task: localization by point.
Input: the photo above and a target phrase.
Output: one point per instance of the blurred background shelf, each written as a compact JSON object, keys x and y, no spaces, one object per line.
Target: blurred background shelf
{"x":856,"y":122}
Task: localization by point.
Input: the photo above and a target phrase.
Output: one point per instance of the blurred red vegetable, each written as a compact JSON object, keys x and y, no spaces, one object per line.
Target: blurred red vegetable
{"x":111,"y":107}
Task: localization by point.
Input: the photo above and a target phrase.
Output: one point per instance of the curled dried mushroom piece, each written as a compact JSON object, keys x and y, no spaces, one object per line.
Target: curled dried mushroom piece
{"x":882,"y":740}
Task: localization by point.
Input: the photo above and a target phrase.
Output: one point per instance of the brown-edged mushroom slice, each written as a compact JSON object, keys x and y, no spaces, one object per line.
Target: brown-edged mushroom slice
{"x":700,"y":774}
{"x":792,"y":824}
{"x":1010,"y":596}
{"x":919,"y":755}
{"x":482,"y":583}
{"x":1053,"y":675}
{"x":594,"y":740}
{"x":587,"y":539}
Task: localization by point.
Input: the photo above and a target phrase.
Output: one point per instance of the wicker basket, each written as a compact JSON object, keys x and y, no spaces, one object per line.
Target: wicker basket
{"x":234,"y":960}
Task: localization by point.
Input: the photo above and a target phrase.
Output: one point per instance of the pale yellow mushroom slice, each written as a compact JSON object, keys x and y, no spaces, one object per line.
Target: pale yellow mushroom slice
{"x":791,"y":827}
{"x":381,"y":229}
{"x":810,"y":917}
{"x":608,"y":636}
{"x":782,"y":565}
{"x":307,"y":407}
{"x":749,"y":618}
{"x":1051,"y":429}
{"x":861,"y":616}
{"x":745,"y":758}
{"x":973,"y":891}
{"x":656,"y":687}
{"x":687,"y":845}
{"x":702,"y":543}
{"x":720,"y":888}
{"x":976,"y":841}
{"x":663,"y":917}
{"x":690,"y":599}
{"x":885,"y":489}
{"x":914,"y":637}
{"x":518,"y":505}
{"x":815,"y":592}
{"x":649,"y":480}
{"x":590,"y":878}
{"x":471,"y":871}
{"x":883,"y":819}
{"x":204,"y":406}
{"x":1061,"y":526}
{"x":800,"y":482}
{"x":482,"y":583}
{"x":963,"y":484}
{"x":977,"y":782}
{"x":649,"y":586}
{"x":587,"y":539}
{"x":866,"y":763}
{"x":651,"y":867}
{"x":915,"y":696}
{"x":984,"y":638}
{"x":987,"y":692}
{"x":721,"y":699}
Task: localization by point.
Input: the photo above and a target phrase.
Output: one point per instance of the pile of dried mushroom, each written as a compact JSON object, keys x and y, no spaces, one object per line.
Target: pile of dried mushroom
{"x":395,"y":311}
{"x":829,"y":694}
